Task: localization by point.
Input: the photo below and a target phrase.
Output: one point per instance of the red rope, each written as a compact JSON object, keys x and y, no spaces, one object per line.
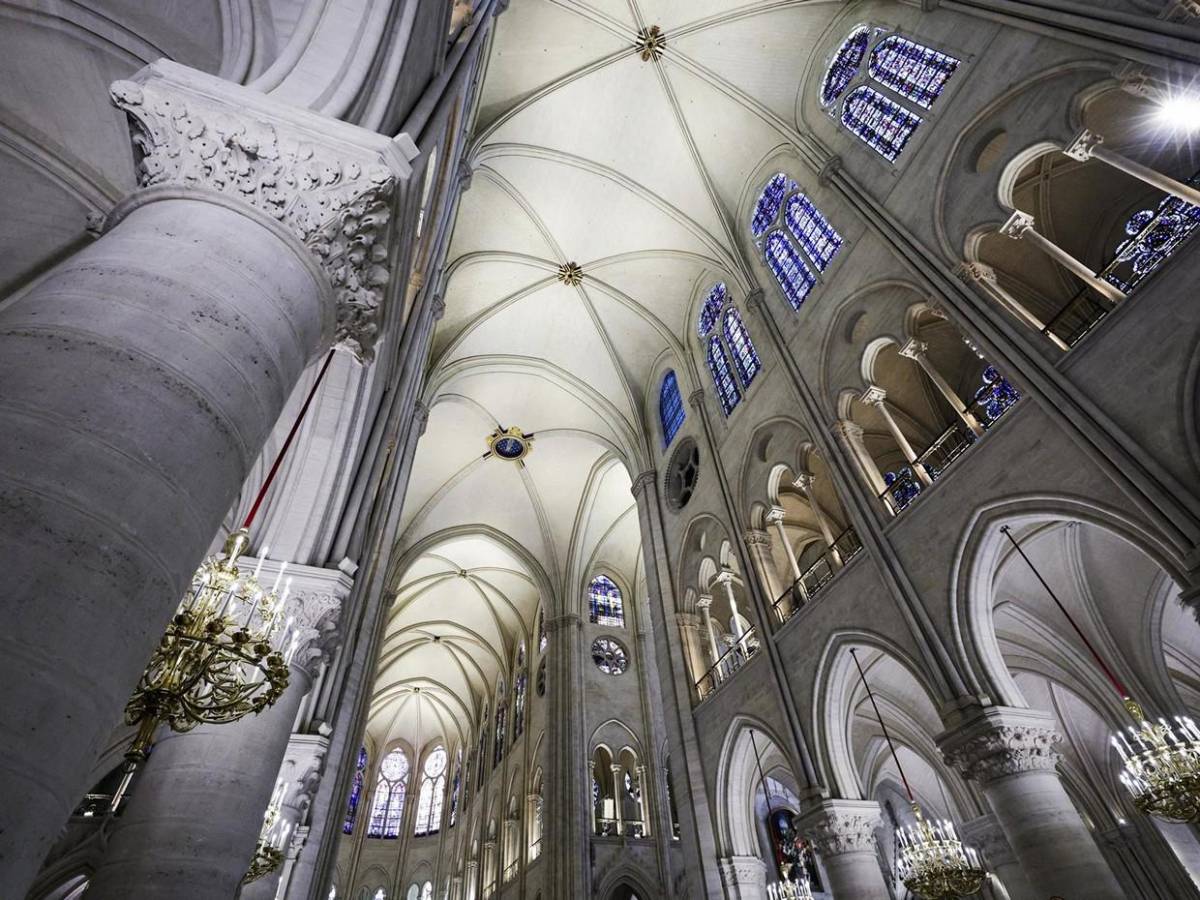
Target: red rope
{"x":262,"y":492}
{"x":1116,"y":683}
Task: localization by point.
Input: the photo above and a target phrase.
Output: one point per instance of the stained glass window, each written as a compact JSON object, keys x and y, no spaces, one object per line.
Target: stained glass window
{"x":882,"y":125}
{"x":769,"y":201}
{"x":456,"y":786}
{"x":427,"y":891}
{"x":609,"y":656}
{"x":387,"y":809}
{"x":819,"y":239}
{"x":718,"y":365}
{"x":433,"y":787}
{"x":793,"y":274}
{"x":605,"y":606}
{"x":482,"y":758}
{"x":913,"y":71}
{"x":519,"y":704}
{"x":356,"y":789}
{"x":845,"y":64}
{"x":501,"y":731}
{"x":543,"y":639}
{"x":670,"y":408}
{"x":711,"y":309}
{"x":745,"y":359}
{"x":1153,"y":235}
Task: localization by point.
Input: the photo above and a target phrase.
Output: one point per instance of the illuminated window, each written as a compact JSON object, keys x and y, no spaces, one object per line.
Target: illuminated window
{"x":605,"y":606}
{"x":819,"y":239}
{"x":388,"y":807}
{"x":769,"y":201}
{"x":745,"y":359}
{"x":913,"y":71}
{"x":356,"y":789}
{"x":433,"y":787}
{"x":845,"y":64}
{"x":795,"y":278}
{"x":670,"y":408}
{"x":882,"y":125}
{"x":718,"y":367}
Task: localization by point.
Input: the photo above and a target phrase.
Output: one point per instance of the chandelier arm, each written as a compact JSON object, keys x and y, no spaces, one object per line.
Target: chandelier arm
{"x":1118,"y":686}
{"x":262,"y":492}
{"x":886,"y":734}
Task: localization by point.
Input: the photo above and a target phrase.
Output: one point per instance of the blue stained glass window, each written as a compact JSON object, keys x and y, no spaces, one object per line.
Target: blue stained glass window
{"x":670,"y":408}
{"x":387,"y":809}
{"x":793,"y":274}
{"x":882,"y":125}
{"x":912,"y":70}
{"x":769,"y":201}
{"x":745,"y":358}
{"x":844,"y":65}
{"x":711,"y":309}
{"x":356,"y":789}
{"x":718,"y":366}
{"x":605,"y":605}
{"x":1153,"y":236}
{"x":819,"y":239}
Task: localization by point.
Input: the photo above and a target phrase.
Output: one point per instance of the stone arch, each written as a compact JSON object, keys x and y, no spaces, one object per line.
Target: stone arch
{"x":738,"y":780}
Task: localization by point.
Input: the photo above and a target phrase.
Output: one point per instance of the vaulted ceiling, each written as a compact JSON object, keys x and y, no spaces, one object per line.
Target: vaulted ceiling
{"x":638,"y":170}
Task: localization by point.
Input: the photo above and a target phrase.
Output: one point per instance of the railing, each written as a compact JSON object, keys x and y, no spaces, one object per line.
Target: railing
{"x":816,"y":576}
{"x":535,"y":849}
{"x":510,"y":871}
{"x":995,"y":398}
{"x":489,"y":889}
{"x":1081,"y":314}
{"x":728,"y":663}
{"x":633,"y":828}
{"x":608,"y":828}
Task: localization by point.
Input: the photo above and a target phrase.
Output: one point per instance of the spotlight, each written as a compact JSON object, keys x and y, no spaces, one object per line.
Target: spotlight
{"x":1179,"y":112}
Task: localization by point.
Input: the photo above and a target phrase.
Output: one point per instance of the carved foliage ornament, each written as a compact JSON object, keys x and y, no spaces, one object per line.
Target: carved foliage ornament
{"x":339,"y":208}
{"x":837,"y":832}
{"x":1005,"y":750}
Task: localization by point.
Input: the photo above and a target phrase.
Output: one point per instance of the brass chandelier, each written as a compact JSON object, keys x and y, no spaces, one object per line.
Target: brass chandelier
{"x":1160,"y":760}
{"x":790,"y":890}
{"x":931,"y":861}
{"x":226,"y":651}
{"x":272,"y":839}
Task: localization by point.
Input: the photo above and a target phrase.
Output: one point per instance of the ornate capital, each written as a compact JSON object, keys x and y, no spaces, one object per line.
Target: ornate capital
{"x":804,"y":481}
{"x":914,"y":349}
{"x":776,"y":515}
{"x":303,"y":766}
{"x":1081,"y":148}
{"x":315,"y":608}
{"x":1001,"y":742}
{"x":845,"y":430}
{"x":333,"y":185}
{"x":1016,"y":226}
{"x":420,"y":417}
{"x":704,"y":601}
{"x":747,"y":870}
{"x":696,"y":399}
{"x":975,"y":272}
{"x":437,"y":307}
{"x":874,"y":395}
{"x":756,"y":538}
{"x":842,"y":826}
{"x":464,"y":172}
{"x":687,"y":620}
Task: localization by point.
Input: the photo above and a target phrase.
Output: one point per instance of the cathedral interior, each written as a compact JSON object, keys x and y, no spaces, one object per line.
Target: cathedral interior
{"x":615,"y":449}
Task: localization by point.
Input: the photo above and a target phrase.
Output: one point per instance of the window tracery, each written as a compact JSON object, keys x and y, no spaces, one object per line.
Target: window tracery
{"x":911,"y":71}
{"x":605,"y":604}
{"x":745,"y":359}
{"x":356,"y":789}
{"x":387,"y":809}
{"x":718,"y":367}
{"x":433,"y":787}
{"x":732,"y":338}
{"x":456,"y":786}
{"x":670,"y":407}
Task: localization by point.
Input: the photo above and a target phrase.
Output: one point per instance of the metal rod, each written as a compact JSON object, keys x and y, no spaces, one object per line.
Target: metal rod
{"x":887,"y":736}
{"x":1116,"y":683}
{"x":262,"y":492}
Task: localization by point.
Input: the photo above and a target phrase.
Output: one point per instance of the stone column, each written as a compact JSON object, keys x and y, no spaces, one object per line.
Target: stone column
{"x":805,"y":483}
{"x":984,"y":276}
{"x":692,"y":645}
{"x":986,"y":836}
{"x":303,"y":764}
{"x":618,"y":800}
{"x":1011,"y":754}
{"x":877,"y":397}
{"x":142,"y":376}
{"x":1020,"y":227}
{"x":850,"y":436}
{"x":843,"y":834}
{"x":915,"y":350}
{"x":568,"y":784}
{"x":190,"y":826}
{"x":644,"y":787}
{"x":744,"y":877}
{"x":1089,"y":145}
{"x":704,"y":604}
{"x":758,"y":543}
{"x":735,"y":619}
{"x":775,"y":517}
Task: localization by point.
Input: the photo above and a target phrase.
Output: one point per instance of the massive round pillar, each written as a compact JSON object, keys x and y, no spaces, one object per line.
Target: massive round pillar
{"x":843,"y":833}
{"x":139,"y":379}
{"x":1011,"y":754}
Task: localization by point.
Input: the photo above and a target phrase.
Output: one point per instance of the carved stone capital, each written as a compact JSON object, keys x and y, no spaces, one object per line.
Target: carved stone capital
{"x":913,"y":349}
{"x":437,"y":307}
{"x":1001,"y":742}
{"x":1081,"y":148}
{"x":804,"y":482}
{"x":704,"y":601}
{"x":756,"y":538}
{"x":842,"y":826}
{"x":465,"y":171}
{"x":687,"y":620}
{"x":331,"y":184}
{"x":420,"y":417}
{"x":696,"y":399}
{"x":315,"y":608}
{"x":302,"y":768}
{"x":874,"y":395}
{"x":1016,"y":226}
{"x":742,"y":870}
{"x":775,"y":515}
{"x":970,"y":272}
{"x":846,"y":431}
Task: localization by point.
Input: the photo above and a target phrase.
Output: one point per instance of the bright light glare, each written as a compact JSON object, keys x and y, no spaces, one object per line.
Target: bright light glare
{"x":1180,"y":112}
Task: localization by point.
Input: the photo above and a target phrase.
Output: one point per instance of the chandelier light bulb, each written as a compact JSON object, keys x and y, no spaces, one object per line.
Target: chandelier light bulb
{"x":934,"y":863}
{"x":1179,"y":112}
{"x":1161,"y":765}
